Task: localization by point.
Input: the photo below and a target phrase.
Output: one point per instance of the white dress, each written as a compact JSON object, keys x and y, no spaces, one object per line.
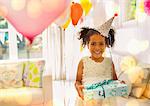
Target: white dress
{"x":94,"y":72}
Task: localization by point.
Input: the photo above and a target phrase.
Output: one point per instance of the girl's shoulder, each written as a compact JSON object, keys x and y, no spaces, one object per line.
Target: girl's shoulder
{"x":108,"y":60}
{"x":85,"y":58}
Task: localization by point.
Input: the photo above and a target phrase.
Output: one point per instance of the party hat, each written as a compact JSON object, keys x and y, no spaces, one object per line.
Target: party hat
{"x":104,"y":28}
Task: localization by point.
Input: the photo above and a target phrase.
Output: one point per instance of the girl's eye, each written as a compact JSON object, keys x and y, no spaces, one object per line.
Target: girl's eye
{"x":101,"y":43}
{"x":93,"y":43}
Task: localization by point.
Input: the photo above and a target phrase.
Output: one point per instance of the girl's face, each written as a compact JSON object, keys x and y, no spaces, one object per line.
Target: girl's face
{"x":96,"y":46}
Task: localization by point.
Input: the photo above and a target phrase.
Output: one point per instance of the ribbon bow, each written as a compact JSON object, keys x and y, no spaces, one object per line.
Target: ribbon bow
{"x":96,"y":85}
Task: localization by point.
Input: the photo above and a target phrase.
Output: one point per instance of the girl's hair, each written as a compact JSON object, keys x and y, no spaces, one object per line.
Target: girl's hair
{"x":86,"y":32}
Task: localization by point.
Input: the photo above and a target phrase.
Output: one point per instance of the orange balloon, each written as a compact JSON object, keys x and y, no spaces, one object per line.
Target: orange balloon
{"x":76,"y":13}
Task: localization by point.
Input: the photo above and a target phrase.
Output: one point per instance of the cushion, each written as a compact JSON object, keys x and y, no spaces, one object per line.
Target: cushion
{"x":127,"y":62}
{"x":139,"y":86}
{"x":131,"y":101}
{"x":33,"y":73}
{"x":147,"y":90}
{"x":11,"y":75}
{"x":135,"y":74}
{"x":26,"y":95}
{"x":131,"y":76}
{"x":136,"y":78}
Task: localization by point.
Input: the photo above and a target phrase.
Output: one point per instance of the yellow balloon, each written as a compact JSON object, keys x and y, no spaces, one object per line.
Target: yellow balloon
{"x":141,"y":6}
{"x":86,"y":5}
{"x":67,"y":23}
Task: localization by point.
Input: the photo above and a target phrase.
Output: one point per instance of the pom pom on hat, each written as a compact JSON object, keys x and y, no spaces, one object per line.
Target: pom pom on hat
{"x":116,"y":14}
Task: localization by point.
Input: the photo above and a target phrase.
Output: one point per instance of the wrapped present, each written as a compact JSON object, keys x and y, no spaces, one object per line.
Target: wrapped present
{"x":104,"y":89}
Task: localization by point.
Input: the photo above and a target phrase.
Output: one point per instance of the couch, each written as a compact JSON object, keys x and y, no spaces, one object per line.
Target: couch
{"x":24,"y":92}
{"x":131,"y":101}
{"x":139,"y":92}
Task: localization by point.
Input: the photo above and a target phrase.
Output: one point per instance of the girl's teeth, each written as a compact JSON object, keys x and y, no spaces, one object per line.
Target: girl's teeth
{"x":97,"y":52}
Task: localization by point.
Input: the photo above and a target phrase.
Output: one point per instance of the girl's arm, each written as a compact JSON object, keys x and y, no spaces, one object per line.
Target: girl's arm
{"x":114,"y":72}
{"x":78,"y":83}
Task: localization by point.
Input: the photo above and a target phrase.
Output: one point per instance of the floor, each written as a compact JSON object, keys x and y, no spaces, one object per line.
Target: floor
{"x":64,"y":93}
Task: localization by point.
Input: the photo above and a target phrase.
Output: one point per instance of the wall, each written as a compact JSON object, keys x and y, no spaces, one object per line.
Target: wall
{"x":138,"y":30}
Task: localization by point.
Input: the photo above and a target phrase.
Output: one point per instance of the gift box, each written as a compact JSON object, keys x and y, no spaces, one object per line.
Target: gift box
{"x":105,"y":89}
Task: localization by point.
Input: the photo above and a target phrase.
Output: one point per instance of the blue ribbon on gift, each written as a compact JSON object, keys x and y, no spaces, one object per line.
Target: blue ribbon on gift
{"x":100,"y":84}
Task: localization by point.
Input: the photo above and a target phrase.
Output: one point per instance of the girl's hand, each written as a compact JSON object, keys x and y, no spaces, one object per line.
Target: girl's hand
{"x":80,"y":91}
{"x":122,"y":82}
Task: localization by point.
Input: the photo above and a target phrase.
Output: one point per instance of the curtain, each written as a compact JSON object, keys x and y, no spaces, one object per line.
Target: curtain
{"x":63,"y":52}
{"x":55,"y":47}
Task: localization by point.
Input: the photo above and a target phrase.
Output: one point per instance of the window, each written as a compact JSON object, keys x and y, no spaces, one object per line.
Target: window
{"x":32,"y":51}
{"x":13,"y":45}
{"x":4,"y":43}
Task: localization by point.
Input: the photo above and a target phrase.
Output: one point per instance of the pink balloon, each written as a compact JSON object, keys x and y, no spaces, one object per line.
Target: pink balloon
{"x":31,"y":17}
{"x":147,"y":6}
{"x":61,"y":20}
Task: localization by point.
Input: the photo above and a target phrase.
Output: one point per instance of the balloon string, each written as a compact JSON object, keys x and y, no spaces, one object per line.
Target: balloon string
{"x":110,"y":53}
{"x":74,"y":35}
{"x":28,"y":51}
